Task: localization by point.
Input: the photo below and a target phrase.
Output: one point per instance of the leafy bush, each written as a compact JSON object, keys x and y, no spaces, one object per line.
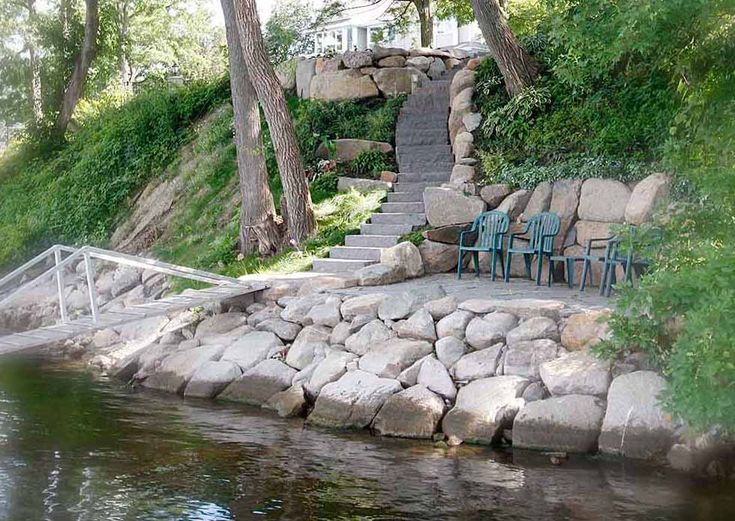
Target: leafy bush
{"x":369,"y":164}
{"x":323,"y":187}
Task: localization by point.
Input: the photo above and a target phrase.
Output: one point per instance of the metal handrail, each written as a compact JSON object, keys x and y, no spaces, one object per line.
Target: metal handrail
{"x":88,"y":253}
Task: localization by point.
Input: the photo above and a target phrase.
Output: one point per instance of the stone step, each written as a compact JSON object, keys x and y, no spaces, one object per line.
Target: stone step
{"x":424,"y":177}
{"x":412,"y":219}
{"x":355,"y":253}
{"x":428,"y":104}
{"x":439,"y":136}
{"x":405,"y":197}
{"x":415,"y":187}
{"x":438,"y":165}
{"x":419,"y":115}
{"x":339,"y":265}
{"x":421,"y":150}
{"x":418,"y":122}
{"x":372,"y":241}
{"x":408,"y":207}
{"x":385,"y":229}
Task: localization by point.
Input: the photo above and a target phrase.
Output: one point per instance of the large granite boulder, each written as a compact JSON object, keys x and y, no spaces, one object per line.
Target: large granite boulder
{"x":412,"y":413}
{"x":258,"y":384}
{"x":564,"y":203}
{"x":444,"y":206}
{"x":352,"y":401}
{"x":348,"y":149}
{"x":210,"y":378}
{"x":362,"y":305}
{"x":464,"y":79}
{"x":342,"y":85}
{"x":514,"y":204}
{"x":404,"y":256}
{"x":446,"y":234}
{"x":297,"y":309}
{"x":288,"y":403}
{"x":311,"y":344}
{"x":449,"y":350}
{"x":284,"y":330}
{"x":394,"y":81}
{"x":454,"y":324}
{"x":585,"y":330}
{"x":478,"y":365}
{"x":635,"y":424}
{"x":493,"y":195}
{"x":603,"y":200}
{"x":221,"y":323}
{"x":389,"y":358}
{"x":587,"y":230}
{"x":379,"y":275}
{"x":490,"y":329}
{"x":533,"y":329}
{"x":357,"y":59}
{"x":326,"y":314}
{"x":329,"y":370}
{"x":373,"y":333}
{"x":176,"y":369}
{"x":305,"y":71}
{"x":647,"y":196}
{"x":564,"y":423}
{"x":539,"y":202}
{"x":419,"y":326}
{"x":251,"y":349}
{"x":524,"y":358}
{"x":441,"y":307}
{"x":523,"y":308}
{"x":380,"y":52}
{"x":392,"y":61}
{"x":576,"y":373}
{"x":421,"y":63}
{"x":438,"y":257}
{"x":484,"y":408}
{"x":435,"y":377}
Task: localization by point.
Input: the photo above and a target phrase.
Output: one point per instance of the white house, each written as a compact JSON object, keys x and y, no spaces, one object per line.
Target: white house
{"x":366,"y":23}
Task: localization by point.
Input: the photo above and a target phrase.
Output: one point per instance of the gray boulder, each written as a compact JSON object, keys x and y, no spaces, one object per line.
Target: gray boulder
{"x":576,"y":373}
{"x":485,"y":331}
{"x":449,"y":350}
{"x":514,"y":204}
{"x":329,"y":370}
{"x":438,"y":257}
{"x":305,"y":71}
{"x":357,"y":59}
{"x":289,"y":403}
{"x":454,"y":324}
{"x":444,"y":206}
{"x":533,"y":329}
{"x":218,"y":324}
{"x":493,"y":195}
{"x":635,"y":424}
{"x":311,"y":343}
{"x":648,"y":195}
{"x":442,"y":307}
{"x":370,"y":335}
{"x":389,"y":358}
{"x":251,"y":349}
{"x":397,"y":306}
{"x":409,"y":376}
{"x":210,"y":378}
{"x":379,"y":275}
{"x":342,"y":85}
{"x":383,"y":52}
{"x":539,"y":202}
{"x":421,"y":63}
{"x":525,"y":358}
{"x":564,"y":203}
{"x":477,"y":365}
{"x":392,"y":61}
{"x":434,"y":376}
{"x":297,"y":309}
{"x":258,"y":384}
{"x":484,"y":408}
{"x":264,"y":314}
{"x":326,"y":314}
{"x":362,"y":305}
{"x":176,"y":370}
{"x":284,"y":330}
{"x":352,"y":401}
{"x":404,"y":255}
{"x":394,"y":81}
{"x":419,"y":326}
{"x":565,"y":423}
{"x":603,"y":200}
{"x":412,"y":413}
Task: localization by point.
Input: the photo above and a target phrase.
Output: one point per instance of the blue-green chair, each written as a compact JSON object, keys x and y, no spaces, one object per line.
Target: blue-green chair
{"x":489,"y":228}
{"x":540,"y":231}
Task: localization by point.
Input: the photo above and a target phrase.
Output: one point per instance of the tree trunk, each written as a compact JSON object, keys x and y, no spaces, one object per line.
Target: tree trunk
{"x":300,"y":216}
{"x":36,"y":98}
{"x":518,"y":68}
{"x":426,"y":22}
{"x":123,"y":28}
{"x":258,"y":229}
{"x":81,"y":66}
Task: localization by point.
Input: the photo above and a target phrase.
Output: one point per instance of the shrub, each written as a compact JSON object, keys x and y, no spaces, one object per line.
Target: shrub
{"x":369,"y":164}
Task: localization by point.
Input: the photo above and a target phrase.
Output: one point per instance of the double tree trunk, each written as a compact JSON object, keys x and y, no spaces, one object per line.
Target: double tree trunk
{"x":298,"y":214}
{"x":518,"y":68}
{"x":35,"y":86}
{"x":258,"y":229}
{"x":81,"y":67}
{"x":426,"y":21}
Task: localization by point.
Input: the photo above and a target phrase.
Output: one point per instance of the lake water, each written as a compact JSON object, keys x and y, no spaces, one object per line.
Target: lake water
{"x":77,"y":447}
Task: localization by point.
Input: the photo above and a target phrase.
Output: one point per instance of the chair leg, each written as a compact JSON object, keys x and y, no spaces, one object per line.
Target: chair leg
{"x":502,"y":264}
{"x":570,"y":273}
{"x":506,"y":270}
{"x":459,"y":264}
{"x":527,"y":261}
{"x":551,"y":272}
{"x":494,"y":261}
{"x":539,"y":268}
{"x":603,"y":277}
{"x":476,"y":257}
{"x":586,"y":264}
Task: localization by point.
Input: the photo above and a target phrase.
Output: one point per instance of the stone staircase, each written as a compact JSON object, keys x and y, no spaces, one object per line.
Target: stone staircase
{"x":424,"y":159}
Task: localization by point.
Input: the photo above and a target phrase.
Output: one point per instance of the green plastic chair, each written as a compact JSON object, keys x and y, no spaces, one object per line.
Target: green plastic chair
{"x":490,"y":227}
{"x":540,"y":231}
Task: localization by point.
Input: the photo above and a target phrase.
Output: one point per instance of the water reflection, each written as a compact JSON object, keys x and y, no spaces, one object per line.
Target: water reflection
{"x":72,"y":447}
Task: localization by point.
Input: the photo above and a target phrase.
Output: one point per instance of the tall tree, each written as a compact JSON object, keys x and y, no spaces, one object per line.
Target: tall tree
{"x":298,"y":213}
{"x":518,"y":68}
{"x":83,"y":61}
{"x":34,"y":62}
{"x":258,"y":229}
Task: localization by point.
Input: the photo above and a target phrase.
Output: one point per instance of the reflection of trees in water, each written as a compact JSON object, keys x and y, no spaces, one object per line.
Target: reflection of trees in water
{"x":69,"y":446}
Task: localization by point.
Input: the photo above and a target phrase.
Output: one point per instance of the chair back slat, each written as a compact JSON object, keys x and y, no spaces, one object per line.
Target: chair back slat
{"x":490,"y":227}
{"x":542,"y":228}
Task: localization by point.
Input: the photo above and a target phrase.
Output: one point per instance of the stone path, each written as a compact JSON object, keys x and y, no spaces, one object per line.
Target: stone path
{"x":424,"y":159}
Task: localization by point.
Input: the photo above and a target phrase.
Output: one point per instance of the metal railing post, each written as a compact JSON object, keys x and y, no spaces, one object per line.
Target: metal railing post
{"x":91,"y":288}
{"x":60,"y":286}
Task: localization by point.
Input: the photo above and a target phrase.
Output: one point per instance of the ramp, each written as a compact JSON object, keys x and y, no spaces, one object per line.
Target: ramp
{"x":64,"y":257}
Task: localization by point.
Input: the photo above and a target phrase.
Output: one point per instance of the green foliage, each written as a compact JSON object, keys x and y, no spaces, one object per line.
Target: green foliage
{"x":416,"y":237}
{"x":369,"y":164}
{"x":323,"y":187}
{"x":287,"y":31}
{"x":75,"y":193}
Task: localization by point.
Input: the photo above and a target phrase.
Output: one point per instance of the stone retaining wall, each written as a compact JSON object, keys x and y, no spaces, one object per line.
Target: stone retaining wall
{"x":374,"y":72}
{"x":416,"y":365}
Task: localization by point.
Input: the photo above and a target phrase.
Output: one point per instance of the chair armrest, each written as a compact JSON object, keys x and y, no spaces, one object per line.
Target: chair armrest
{"x":588,"y":249}
{"x":513,"y":236}
{"x":464,"y":234}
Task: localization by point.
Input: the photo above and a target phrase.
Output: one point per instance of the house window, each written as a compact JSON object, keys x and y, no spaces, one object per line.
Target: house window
{"x":327,"y":41}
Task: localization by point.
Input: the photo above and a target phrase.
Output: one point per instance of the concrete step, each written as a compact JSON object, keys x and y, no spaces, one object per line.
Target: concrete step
{"x":385,"y":229}
{"x":439,"y":165}
{"x":339,"y":265}
{"x":355,"y":253}
{"x":423,"y":150}
{"x":419,"y":115}
{"x":417,"y":122}
{"x":408,"y":207}
{"x":412,"y":219}
{"x":371,"y":241}
{"x":423,"y":177}
{"x":414,"y":187}
{"x":406,"y":137}
{"x":406,"y":197}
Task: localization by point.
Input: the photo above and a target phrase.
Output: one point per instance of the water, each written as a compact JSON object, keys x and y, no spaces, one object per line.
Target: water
{"x":76,"y":447}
